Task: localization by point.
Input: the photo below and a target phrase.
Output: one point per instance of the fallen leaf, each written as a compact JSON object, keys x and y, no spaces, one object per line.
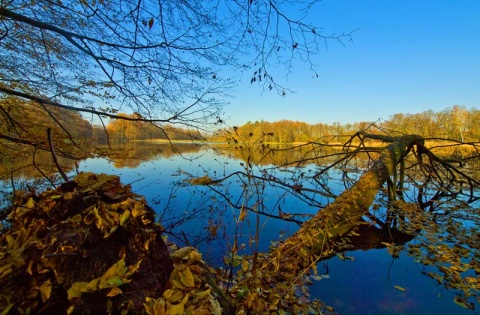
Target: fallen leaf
{"x":114,"y":292}
{"x":46,"y":290}
{"x":186,"y":277}
{"x":399,"y":288}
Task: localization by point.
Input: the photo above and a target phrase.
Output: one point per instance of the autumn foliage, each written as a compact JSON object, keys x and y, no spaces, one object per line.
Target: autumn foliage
{"x":89,"y":246}
{"x":124,"y":131}
{"x":457,"y":123}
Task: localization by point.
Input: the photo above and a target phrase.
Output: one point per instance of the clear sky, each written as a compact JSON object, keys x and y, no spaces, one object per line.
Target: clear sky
{"x":407,"y":57}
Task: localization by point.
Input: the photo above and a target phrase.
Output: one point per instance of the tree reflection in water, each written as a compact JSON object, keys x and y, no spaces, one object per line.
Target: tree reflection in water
{"x":260,"y":194}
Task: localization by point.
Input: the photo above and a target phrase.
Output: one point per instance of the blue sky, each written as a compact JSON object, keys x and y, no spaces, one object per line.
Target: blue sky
{"x":406,"y":57}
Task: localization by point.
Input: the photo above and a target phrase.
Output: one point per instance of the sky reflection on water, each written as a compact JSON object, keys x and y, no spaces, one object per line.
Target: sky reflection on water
{"x":363,"y":286}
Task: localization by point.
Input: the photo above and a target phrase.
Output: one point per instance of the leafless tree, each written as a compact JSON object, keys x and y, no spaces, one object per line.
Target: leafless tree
{"x":168,"y":61}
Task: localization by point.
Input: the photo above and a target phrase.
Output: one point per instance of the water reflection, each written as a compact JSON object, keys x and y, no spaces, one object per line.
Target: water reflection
{"x":246,"y":213}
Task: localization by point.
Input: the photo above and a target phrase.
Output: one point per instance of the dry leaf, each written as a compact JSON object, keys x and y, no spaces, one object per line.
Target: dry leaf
{"x":114,"y":291}
{"x":186,"y":277}
{"x":46,"y":290}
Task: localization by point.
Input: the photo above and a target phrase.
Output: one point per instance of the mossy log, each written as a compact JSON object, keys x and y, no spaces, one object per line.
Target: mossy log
{"x":316,"y":236}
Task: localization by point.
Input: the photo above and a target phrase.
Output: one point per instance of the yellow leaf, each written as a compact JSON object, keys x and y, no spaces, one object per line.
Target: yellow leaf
{"x":146,"y":245}
{"x":30,"y":269}
{"x":80,"y":287}
{"x":132,"y":269}
{"x":244,"y":265}
{"x":93,"y":285}
{"x":145,"y":220}
{"x":76,"y":290}
{"x":98,"y":219}
{"x":182,"y":253}
{"x":114,"y":292}
{"x":138,"y":210}
{"x":159,"y":307}
{"x":463,"y":303}
{"x":186,"y":277}
{"x":22,"y":237}
{"x":124,"y":217}
{"x":68,"y":195}
{"x":202,"y":294}
{"x":175,"y":280}
{"x":70,"y":309}
{"x":173,"y":295}
{"x":118,"y":269}
{"x":195,"y":256}
{"x":399,"y":288}
{"x":190,"y":310}
{"x":89,"y":218}
{"x":472,"y":280}
{"x":154,"y":306}
{"x":204,"y":180}
{"x":30,"y":204}
{"x":10,"y":241}
{"x":177,"y":309}
{"x":5,"y":270}
{"x":112,"y":230}
{"x":46,"y":290}
{"x":177,"y":283}
{"x":76,"y":218}
{"x":67,"y":249}
{"x":243,"y":214}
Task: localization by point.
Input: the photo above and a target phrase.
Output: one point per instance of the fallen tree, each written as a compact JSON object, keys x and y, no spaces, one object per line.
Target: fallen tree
{"x":91,"y":245}
{"x":256,"y":286}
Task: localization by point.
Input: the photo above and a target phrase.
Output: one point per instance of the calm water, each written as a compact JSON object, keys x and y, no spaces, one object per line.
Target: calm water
{"x":199,"y":216}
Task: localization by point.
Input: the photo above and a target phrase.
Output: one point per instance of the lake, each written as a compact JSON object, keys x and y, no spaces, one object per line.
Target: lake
{"x":215,"y":218}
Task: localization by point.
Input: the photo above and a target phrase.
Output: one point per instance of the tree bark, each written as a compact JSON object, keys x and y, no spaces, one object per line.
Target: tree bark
{"x":316,"y":236}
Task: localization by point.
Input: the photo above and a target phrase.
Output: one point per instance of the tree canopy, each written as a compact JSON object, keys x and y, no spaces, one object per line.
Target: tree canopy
{"x":166,"y":61}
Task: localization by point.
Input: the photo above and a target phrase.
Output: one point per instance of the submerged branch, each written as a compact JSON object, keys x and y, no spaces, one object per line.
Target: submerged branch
{"x":300,"y":252}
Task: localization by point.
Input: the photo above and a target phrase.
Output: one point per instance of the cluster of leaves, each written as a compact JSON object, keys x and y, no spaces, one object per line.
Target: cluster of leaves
{"x":449,"y":247}
{"x":261,"y":288}
{"x":88,"y":240}
{"x":114,"y":277}
{"x":188,"y":291}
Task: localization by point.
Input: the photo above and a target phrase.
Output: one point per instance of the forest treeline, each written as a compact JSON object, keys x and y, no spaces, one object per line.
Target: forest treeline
{"x":457,"y":122}
{"x":121,"y":131}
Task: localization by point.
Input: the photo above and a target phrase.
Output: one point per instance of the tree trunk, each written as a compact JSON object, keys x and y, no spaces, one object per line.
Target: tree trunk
{"x":315,"y":237}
